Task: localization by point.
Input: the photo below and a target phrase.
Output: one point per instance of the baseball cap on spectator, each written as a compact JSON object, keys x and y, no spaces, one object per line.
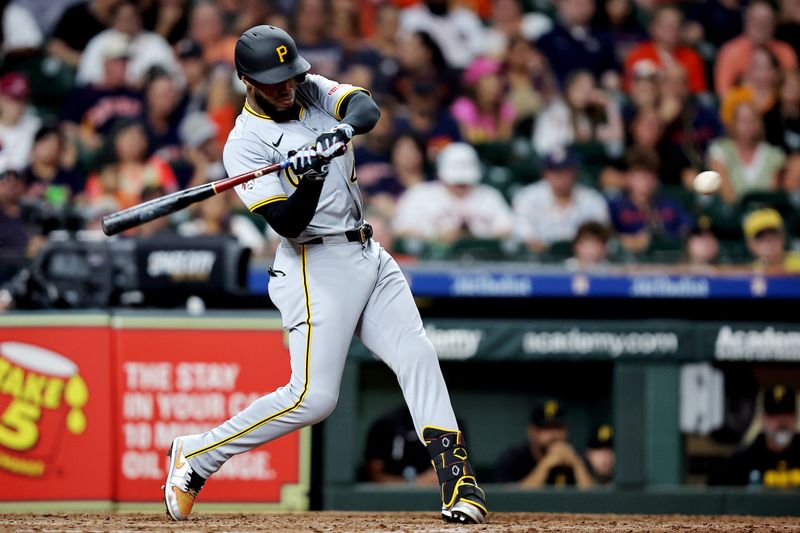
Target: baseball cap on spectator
{"x":550,"y":414}
{"x":458,"y":164}
{"x":479,"y":68}
{"x":762,"y":220}
{"x":780,"y":400}
{"x":645,"y":68}
{"x":196,"y":128}
{"x":602,"y":437}
{"x":15,"y":86}
{"x":117,"y":47}
{"x":561,"y":159}
{"x":188,"y":49}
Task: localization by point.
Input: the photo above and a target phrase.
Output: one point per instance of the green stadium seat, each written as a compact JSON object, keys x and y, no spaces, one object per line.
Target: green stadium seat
{"x":778,"y":200}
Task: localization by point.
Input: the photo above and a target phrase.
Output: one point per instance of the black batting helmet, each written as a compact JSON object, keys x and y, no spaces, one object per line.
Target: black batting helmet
{"x":267,"y":54}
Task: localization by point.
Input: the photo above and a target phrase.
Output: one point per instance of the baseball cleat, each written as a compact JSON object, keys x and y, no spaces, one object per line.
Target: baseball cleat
{"x":463,"y":501}
{"x":182,"y":485}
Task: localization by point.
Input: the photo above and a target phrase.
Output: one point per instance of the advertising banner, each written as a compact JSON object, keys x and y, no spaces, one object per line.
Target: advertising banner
{"x":55,"y":409}
{"x":180,"y":376}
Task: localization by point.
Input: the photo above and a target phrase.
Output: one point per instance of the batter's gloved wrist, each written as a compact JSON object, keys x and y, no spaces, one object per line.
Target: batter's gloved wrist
{"x":306,"y":163}
{"x":333,"y":143}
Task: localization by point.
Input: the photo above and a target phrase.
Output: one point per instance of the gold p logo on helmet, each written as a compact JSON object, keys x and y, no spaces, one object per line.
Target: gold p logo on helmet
{"x":282,"y":51}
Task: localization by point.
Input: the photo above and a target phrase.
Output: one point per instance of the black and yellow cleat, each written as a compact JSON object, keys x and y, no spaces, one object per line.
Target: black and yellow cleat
{"x":463,"y":501}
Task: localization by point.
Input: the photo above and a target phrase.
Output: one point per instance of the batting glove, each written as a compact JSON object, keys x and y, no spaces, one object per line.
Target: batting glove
{"x":306,"y":163}
{"x":333,"y":143}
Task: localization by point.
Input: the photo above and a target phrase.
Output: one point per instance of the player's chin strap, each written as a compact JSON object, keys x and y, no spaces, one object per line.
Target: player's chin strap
{"x":456,"y":477}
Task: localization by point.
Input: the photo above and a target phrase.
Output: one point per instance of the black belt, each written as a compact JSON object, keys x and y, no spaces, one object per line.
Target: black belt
{"x":362,"y":235}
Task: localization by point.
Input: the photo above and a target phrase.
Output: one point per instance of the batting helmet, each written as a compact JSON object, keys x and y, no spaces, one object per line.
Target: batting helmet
{"x":268,"y":55}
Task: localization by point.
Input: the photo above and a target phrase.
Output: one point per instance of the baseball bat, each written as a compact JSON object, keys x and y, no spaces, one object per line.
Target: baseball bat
{"x":170,"y":203}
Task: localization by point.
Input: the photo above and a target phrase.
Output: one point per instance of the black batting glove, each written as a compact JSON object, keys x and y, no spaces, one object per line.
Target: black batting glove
{"x":306,"y":163}
{"x":333,"y":143}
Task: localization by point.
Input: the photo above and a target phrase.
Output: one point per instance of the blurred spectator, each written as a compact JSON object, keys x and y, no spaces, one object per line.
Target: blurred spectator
{"x":791,"y":179}
{"x":484,"y":114}
{"x":128,"y":169}
{"x":573,"y":44}
{"x":14,"y":234}
{"x":589,"y":247}
{"x":76,"y":28}
{"x":167,"y":18}
{"x":789,"y":23}
{"x":18,"y":122}
{"x":773,"y":459}
{"x":420,"y":61}
{"x":454,"y":206}
{"x":380,"y":52}
{"x":714,"y":21}
{"x":621,"y":19}
{"x":215,"y":217}
{"x":642,"y":214}
{"x":702,"y":246}
{"x":510,"y":23}
{"x":373,"y":153}
{"x":163,"y":113}
{"x":344,"y":27}
{"x":599,"y":456}
{"x":426,"y":117}
{"x":690,"y":126}
{"x":586,"y":115}
{"x":406,"y":169}
{"x":207,"y":29}
{"x":457,"y":30}
{"x":643,"y":92}
{"x":759,"y":85}
{"x":665,"y":47}
{"x":554,"y":208}
{"x":394,"y":453}
{"x":146,"y":49}
{"x":311,"y":22}
{"x":90,"y":111}
{"x":530,"y":82}
{"x":200,"y":149}
{"x":195,"y":72}
{"x":744,"y":160}
{"x":49,"y":178}
{"x":47,"y":13}
{"x":20,"y":33}
{"x":546,"y":457}
{"x":247,"y":13}
{"x":736,"y":55}
{"x":783,"y":122}
{"x":765,"y":236}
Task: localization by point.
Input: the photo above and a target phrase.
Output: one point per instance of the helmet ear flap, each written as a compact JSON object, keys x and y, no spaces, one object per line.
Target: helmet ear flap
{"x":300,"y":78}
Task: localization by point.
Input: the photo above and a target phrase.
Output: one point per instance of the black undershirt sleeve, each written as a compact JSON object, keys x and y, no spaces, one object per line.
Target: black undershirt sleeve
{"x":290,"y":217}
{"x":360,"y":111}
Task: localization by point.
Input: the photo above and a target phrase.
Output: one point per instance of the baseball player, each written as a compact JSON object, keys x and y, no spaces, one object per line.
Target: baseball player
{"x":329,"y":280}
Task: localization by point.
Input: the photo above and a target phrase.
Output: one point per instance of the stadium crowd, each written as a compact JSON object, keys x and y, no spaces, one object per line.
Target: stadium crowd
{"x":552,"y":131}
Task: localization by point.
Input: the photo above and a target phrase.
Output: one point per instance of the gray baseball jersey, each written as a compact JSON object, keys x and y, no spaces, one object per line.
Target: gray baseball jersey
{"x":256,"y":141}
{"x":324,"y":292}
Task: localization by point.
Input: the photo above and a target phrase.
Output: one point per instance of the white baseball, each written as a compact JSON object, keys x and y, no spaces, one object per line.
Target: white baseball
{"x":707,"y":182}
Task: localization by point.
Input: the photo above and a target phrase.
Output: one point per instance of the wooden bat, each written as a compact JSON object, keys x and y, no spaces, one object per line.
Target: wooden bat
{"x":170,"y":203}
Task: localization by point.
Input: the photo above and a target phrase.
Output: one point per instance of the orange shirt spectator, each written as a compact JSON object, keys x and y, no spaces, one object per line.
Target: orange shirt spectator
{"x":735,"y":56}
{"x":665,"y":48}
{"x":688,"y":58}
{"x":206,"y":28}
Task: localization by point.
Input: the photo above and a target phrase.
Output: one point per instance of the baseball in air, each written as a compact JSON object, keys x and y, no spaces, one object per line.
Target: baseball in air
{"x":707,"y":182}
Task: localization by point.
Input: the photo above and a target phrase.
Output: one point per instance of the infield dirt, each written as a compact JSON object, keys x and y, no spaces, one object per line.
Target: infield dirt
{"x":387,"y":522}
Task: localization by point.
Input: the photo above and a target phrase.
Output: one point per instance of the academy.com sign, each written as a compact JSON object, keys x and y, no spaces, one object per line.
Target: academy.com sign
{"x":577,"y":341}
{"x":767,"y":344}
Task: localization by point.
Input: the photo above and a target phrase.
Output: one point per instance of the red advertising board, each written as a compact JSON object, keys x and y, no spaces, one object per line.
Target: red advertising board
{"x":55,"y":410}
{"x":187,"y":376}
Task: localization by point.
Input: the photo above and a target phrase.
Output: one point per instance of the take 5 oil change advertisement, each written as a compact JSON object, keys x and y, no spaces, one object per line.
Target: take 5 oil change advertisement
{"x":55,"y":413}
{"x":88,"y":411}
